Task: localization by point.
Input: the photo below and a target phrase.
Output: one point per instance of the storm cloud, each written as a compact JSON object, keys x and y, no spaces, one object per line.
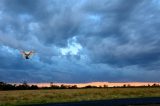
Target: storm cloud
{"x":80,"y":41}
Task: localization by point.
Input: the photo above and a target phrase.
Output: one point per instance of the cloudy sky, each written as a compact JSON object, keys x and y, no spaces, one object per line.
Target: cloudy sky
{"x":80,"y":40}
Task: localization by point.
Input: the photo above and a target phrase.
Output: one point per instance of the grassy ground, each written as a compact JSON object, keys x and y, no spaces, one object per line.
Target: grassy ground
{"x":20,"y":97}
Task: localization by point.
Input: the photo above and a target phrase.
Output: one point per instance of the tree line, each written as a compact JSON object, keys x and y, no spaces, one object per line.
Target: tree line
{"x":25,"y":86}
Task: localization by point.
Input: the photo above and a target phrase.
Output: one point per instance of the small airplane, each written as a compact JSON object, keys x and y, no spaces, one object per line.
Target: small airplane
{"x":27,"y":54}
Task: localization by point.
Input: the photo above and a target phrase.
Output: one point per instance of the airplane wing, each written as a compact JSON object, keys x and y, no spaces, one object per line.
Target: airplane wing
{"x":23,"y":54}
{"x":31,"y":53}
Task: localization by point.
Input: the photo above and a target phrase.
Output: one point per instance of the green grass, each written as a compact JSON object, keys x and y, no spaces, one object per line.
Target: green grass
{"x":21,"y":97}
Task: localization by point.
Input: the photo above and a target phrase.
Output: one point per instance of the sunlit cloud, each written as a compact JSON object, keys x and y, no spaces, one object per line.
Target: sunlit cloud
{"x":72,"y":48}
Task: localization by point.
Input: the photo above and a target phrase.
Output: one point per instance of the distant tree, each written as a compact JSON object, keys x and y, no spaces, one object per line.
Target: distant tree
{"x":100,"y":86}
{"x":25,"y":83}
{"x":2,"y":85}
{"x":105,"y":86}
{"x":5,"y":86}
{"x":89,"y":86}
{"x":24,"y":86}
{"x":51,"y":84}
{"x":128,"y":85}
{"x":55,"y":87}
{"x":34,"y":87}
{"x":124,"y":85}
{"x":73,"y":87}
{"x":155,"y":85}
{"x":63,"y":86}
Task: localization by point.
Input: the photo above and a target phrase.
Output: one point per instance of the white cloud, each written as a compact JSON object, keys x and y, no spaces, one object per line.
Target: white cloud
{"x":73,"y":47}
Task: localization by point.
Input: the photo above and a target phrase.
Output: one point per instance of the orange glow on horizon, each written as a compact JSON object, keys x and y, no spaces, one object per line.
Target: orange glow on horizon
{"x":109,"y":84}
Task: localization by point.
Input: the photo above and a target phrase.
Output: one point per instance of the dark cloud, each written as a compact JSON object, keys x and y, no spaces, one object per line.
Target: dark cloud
{"x":126,"y":33}
{"x":80,"y":41}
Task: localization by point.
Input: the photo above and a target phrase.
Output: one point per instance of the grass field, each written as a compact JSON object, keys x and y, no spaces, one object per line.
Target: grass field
{"x":20,"y":97}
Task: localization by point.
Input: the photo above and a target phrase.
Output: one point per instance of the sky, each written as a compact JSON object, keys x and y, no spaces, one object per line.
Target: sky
{"x":80,"y":40}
